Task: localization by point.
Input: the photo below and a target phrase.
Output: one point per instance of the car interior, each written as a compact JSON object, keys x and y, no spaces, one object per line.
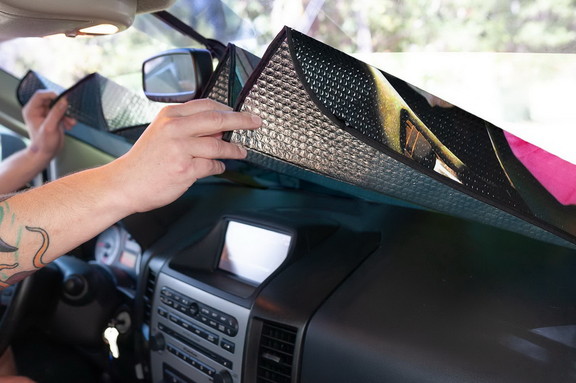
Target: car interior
{"x":339,"y":250}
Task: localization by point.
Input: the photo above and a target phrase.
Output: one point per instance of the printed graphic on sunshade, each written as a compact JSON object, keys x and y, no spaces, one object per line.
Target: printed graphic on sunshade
{"x":331,"y":114}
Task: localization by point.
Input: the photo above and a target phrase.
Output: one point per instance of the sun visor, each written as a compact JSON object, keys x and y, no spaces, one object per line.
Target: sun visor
{"x":329,"y":114}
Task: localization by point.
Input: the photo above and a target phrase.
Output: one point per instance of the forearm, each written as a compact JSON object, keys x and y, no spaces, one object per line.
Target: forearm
{"x":181,"y":145}
{"x":21,"y":167}
{"x":41,"y":224}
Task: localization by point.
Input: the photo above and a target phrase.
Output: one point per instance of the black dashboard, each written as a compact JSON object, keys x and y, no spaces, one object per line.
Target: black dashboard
{"x":355,"y":291}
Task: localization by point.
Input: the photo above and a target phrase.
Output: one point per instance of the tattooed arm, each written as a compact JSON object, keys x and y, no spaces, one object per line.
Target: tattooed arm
{"x":179,"y":147}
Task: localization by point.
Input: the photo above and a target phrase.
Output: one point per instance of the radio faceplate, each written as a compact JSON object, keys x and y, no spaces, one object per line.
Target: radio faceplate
{"x":196,"y":335}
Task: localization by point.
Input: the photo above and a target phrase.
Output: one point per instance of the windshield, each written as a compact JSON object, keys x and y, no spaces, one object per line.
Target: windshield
{"x":66,"y":60}
{"x":510,"y":62}
{"x":391,"y":25}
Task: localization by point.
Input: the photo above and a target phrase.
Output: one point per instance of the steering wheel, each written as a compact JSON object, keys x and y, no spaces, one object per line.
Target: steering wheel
{"x":13,"y":301}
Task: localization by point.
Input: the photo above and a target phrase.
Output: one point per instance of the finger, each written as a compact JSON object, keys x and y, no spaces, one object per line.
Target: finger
{"x":193,"y":107}
{"x":203,"y":167}
{"x":218,"y":135}
{"x":213,"y":122}
{"x":56,"y":114}
{"x":42,"y":97}
{"x":39,"y":102}
{"x":214,"y":148}
{"x":68,"y":123}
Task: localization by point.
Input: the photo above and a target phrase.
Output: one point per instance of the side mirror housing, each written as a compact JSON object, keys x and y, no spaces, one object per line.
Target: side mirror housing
{"x":177,"y":75}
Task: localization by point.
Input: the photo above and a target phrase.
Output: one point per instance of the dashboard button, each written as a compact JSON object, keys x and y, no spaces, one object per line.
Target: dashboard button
{"x":163,"y":313}
{"x":186,"y":325}
{"x":211,"y":337}
{"x":167,"y":292}
{"x":183,"y":309}
{"x":231,"y":322}
{"x":198,"y":331}
{"x":227,"y":345}
{"x":207,"y":370}
{"x":194,"y":363}
{"x":193,"y":309}
{"x":166,"y":301}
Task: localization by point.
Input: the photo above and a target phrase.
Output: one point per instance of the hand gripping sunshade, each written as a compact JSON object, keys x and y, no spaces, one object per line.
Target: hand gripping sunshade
{"x":332,"y":115}
{"x":97,"y":102}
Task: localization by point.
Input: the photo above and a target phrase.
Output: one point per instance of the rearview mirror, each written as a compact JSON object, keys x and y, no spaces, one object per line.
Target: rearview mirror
{"x":177,"y":75}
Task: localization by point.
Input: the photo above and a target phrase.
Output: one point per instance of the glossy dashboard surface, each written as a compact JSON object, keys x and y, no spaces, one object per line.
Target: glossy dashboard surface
{"x":421,"y":291}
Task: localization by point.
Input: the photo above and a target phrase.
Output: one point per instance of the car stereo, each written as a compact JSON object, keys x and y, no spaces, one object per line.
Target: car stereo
{"x":196,"y":335}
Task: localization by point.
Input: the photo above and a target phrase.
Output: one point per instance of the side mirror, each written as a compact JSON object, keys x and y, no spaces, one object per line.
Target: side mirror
{"x":177,"y":75}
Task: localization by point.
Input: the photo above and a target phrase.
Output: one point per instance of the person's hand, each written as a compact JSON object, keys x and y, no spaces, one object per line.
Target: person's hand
{"x":181,"y":145}
{"x":8,"y":369}
{"x":15,"y":379}
{"x":46,"y":125}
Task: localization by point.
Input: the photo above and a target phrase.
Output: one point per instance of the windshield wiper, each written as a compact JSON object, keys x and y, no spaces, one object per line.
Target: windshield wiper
{"x":215,"y":47}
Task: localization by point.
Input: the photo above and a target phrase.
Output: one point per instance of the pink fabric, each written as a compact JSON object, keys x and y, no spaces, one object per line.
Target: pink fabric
{"x":558,"y":176}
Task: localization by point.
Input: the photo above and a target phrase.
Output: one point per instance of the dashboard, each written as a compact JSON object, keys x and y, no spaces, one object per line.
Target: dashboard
{"x":284,"y":286}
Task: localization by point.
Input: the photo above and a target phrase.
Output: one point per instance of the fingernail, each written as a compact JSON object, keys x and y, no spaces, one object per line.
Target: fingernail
{"x":222,"y":167}
{"x":243,"y":150}
{"x":62,"y":104}
{"x":256,"y":119}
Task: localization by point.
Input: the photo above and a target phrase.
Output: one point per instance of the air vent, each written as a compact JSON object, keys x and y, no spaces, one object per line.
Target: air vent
{"x":276,"y":354}
{"x":148,"y":294}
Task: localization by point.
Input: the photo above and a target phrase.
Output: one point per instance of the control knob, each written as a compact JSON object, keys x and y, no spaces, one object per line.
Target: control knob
{"x":223,"y":377}
{"x":157,"y":342}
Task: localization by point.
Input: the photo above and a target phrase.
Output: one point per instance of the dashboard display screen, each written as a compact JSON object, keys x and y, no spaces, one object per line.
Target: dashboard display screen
{"x":253,"y":253}
{"x":128,"y":259}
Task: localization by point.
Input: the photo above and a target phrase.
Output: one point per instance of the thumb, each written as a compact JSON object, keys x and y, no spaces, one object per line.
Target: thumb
{"x":56,"y":114}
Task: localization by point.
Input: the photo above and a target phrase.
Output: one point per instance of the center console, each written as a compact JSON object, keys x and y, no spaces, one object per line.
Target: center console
{"x":199,"y":337}
{"x":211,"y":300}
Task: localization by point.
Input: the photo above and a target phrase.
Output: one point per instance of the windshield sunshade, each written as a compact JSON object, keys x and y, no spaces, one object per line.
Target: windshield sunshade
{"x":331,"y":114}
{"x":97,"y":102}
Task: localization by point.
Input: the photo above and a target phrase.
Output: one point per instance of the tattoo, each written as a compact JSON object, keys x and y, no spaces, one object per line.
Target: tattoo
{"x":37,"y":261}
{"x":4,"y":266}
{"x":15,"y":278}
{"x":6,"y":248}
